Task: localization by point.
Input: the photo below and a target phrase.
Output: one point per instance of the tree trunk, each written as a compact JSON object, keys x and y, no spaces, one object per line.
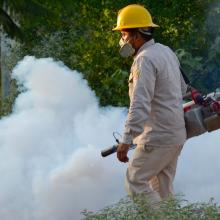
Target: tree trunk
{"x":1,"y":69}
{"x":5,"y":77}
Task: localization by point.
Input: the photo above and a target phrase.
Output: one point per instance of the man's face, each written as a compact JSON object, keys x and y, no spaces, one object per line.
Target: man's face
{"x":127,"y":37}
{"x":127,"y":43}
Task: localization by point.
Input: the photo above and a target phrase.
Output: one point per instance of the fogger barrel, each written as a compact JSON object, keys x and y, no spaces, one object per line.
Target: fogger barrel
{"x":113,"y":149}
{"x":106,"y":152}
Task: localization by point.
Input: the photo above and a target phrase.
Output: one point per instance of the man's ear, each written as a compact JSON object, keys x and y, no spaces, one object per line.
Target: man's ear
{"x":136,"y":36}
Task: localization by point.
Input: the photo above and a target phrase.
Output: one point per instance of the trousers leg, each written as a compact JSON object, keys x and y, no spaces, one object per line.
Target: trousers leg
{"x":145,"y":164}
{"x":166,"y":177}
{"x":154,"y":183}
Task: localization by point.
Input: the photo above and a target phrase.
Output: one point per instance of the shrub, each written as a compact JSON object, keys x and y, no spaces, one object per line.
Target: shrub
{"x":140,"y":209}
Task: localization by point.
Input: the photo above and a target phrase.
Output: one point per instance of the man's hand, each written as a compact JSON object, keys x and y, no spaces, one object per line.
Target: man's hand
{"x":122,"y":151}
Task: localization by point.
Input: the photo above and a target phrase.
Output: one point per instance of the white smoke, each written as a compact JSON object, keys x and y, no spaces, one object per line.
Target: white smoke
{"x":198,"y":169}
{"x":50,"y":163}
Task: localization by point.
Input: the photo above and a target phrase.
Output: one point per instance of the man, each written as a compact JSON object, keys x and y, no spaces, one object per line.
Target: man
{"x":155,"y":119}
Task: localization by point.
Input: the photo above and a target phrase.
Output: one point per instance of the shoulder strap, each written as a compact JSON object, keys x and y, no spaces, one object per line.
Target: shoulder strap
{"x":186,"y":79}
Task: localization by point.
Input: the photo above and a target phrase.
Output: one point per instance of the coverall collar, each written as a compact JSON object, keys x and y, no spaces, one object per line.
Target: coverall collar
{"x":145,"y":45}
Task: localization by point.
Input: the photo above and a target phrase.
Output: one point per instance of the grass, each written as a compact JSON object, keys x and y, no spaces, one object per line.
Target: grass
{"x":140,"y":209}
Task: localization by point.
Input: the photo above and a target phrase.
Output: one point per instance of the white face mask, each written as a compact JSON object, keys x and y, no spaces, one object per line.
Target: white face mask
{"x":126,"y":49}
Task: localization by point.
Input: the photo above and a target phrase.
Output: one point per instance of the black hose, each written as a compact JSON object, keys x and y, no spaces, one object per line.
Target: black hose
{"x":108,"y":151}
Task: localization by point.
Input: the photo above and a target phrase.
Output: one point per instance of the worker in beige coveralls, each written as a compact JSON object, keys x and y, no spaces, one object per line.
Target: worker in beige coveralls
{"x":155,"y":120}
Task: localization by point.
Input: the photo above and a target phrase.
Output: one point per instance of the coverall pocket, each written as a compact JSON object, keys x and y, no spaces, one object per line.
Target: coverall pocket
{"x":147,"y":148}
{"x":130,"y":85}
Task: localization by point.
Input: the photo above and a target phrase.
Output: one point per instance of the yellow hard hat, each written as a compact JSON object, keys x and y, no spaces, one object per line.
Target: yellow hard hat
{"x":133,"y":16}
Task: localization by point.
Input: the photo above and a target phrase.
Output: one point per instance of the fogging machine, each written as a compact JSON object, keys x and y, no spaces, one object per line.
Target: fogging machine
{"x":202,"y":114}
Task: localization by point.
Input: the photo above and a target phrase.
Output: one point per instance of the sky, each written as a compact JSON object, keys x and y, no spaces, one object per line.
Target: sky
{"x":50,"y":162}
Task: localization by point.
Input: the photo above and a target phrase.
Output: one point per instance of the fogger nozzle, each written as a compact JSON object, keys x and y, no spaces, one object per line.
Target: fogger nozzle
{"x":106,"y":152}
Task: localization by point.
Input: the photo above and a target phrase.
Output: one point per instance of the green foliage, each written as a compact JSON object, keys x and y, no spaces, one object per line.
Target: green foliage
{"x":26,"y":13}
{"x":84,"y":47}
{"x":80,"y":36}
{"x":13,"y":15}
{"x":140,"y":209}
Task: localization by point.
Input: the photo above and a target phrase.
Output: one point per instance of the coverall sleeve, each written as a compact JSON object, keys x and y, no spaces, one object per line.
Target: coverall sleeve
{"x":140,"y":104}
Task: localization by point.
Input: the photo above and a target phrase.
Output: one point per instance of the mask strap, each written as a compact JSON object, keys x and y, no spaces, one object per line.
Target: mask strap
{"x":145,"y":31}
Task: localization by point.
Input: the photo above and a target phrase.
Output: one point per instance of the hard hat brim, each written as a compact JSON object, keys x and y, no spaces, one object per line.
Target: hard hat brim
{"x":120,"y":28}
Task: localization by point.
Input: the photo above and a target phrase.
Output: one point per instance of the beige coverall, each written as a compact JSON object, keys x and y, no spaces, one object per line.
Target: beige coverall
{"x":155,"y":121}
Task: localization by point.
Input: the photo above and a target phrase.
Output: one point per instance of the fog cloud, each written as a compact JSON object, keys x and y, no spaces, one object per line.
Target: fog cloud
{"x":50,"y":163}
